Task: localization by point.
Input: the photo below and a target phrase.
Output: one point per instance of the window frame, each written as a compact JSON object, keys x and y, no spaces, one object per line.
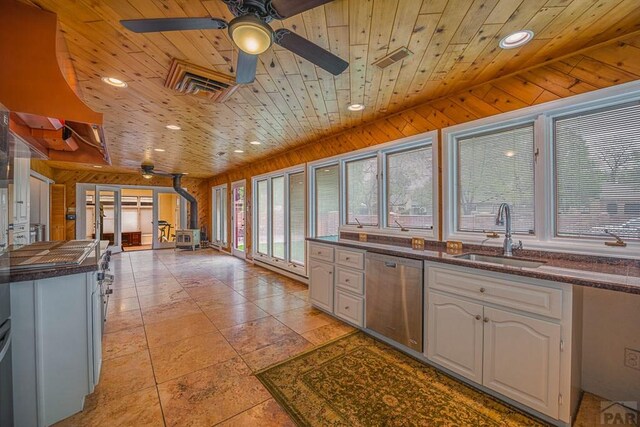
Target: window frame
{"x":543,"y":116}
{"x":379,"y":151}
{"x":268,"y":258}
{"x":401,"y":149}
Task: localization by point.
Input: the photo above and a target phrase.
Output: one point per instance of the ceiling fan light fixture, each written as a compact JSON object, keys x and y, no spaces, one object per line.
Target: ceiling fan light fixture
{"x":146,"y":175}
{"x":516,"y":39}
{"x":250,"y":34}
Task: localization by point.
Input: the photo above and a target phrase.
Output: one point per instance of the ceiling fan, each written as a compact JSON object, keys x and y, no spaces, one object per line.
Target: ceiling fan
{"x":251,"y":33}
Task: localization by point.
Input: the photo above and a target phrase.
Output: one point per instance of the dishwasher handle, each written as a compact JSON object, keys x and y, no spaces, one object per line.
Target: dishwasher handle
{"x":390,"y":264}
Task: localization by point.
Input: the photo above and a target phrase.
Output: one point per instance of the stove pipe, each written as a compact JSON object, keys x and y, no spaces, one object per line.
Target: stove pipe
{"x":193,"y":203}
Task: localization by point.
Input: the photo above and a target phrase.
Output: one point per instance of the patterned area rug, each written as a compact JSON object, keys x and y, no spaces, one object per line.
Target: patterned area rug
{"x":359,"y":381}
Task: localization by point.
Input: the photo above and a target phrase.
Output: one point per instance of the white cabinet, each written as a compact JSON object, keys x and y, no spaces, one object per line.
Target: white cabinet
{"x":321,"y":284}
{"x":336,"y":281}
{"x":19,"y":191}
{"x":512,"y":335}
{"x":54,"y":340}
{"x":454,"y":335}
{"x":522,"y":359}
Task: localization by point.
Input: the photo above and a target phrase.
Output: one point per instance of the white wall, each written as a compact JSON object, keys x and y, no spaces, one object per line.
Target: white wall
{"x":611,"y":323}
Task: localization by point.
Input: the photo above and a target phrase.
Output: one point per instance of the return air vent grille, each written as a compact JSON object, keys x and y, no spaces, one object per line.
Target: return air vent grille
{"x":192,"y":79}
{"x":395,"y":56}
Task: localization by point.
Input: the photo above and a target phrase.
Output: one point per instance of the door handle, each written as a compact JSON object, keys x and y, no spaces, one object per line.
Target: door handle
{"x":390,"y":264}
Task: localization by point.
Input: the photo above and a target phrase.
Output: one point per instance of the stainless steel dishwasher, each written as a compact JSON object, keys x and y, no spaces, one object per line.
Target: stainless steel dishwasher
{"x":394,"y":298}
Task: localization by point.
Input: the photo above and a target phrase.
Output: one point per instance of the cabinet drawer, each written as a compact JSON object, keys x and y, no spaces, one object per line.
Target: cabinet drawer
{"x":350,"y":280}
{"x":353,"y":259}
{"x":321,"y":252}
{"x":505,"y":292}
{"x":349,"y":308}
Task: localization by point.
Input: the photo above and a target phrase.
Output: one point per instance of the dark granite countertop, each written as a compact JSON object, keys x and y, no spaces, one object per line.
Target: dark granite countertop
{"x":621,"y":275}
{"x":88,"y":264}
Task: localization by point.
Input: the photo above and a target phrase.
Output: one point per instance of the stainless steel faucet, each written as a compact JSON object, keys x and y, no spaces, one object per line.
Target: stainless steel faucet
{"x":504,"y":218}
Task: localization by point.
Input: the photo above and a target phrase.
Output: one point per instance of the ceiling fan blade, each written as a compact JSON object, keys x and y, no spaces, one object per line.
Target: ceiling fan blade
{"x":173,"y":24}
{"x":246,"y":70}
{"x":288,"y":8}
{"x":310,"y":51}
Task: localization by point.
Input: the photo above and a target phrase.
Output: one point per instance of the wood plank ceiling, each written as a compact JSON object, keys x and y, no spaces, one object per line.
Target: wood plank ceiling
{"x":292,"y":102}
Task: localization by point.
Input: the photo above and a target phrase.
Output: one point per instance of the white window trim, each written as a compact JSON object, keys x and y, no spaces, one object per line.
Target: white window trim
{"x":379,"y":151}
{"x":268,"y":258}
{"x":543,"y":116}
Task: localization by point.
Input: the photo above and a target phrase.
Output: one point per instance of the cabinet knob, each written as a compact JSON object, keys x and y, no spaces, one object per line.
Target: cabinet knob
{"x":482,"y":290}
{"x":486,"y":320}
{"x":478,"y":317}
{"x":348,"y":258}
{"x":331,"y":273}
{"x":347,"y":280}
{"x":346,"y":307}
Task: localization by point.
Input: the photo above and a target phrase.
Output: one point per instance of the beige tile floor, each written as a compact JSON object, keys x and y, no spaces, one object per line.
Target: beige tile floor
{"x":184,"y":335}
{"x":187,"y":330}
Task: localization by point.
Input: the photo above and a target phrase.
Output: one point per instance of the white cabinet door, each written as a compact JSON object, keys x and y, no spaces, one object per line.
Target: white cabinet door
{"x":321,"y":284}
{"x":454,"y":335}
{"x":522,"y":359}
{"x":21,"y":201}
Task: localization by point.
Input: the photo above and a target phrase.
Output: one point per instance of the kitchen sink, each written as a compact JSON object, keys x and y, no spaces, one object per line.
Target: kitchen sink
{"x":498,"y":260}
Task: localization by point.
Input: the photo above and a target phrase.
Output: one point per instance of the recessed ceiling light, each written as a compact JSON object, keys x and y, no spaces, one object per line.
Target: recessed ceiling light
{"x":97,"y":166}
{"x":516,"y":39}
{"x":255,"y":143}
{"x":238,"y":151}
{"x":114,"y":82}
{"x":355,"y":107}
{"x":159,"y":150}
{"x":510,"y":153}
{"x":173,"y":127}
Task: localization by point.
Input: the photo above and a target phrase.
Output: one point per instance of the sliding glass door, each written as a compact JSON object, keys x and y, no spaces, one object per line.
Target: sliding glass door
{"x":219,"y":217}
{"x":279,"y":219}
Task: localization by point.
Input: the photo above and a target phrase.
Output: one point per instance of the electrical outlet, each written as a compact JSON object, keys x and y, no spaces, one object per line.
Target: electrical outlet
{"x":632,"y":358}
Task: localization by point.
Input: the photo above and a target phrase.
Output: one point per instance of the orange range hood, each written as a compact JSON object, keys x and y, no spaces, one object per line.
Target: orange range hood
{"x":45,"y":110}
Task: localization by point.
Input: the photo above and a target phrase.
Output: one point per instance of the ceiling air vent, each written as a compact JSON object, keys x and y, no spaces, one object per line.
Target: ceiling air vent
{"x":192,"y":79}
{"x":395,"y":56}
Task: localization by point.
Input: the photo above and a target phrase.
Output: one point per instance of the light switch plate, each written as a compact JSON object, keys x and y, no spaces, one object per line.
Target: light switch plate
{"x":632,"y":358}
{"x":417,"y":243}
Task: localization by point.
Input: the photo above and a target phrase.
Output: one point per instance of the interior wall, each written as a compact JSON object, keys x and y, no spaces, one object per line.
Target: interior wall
{"x":197,"y":187}
{"x":587,"y":71}
{"x":610,"y":324}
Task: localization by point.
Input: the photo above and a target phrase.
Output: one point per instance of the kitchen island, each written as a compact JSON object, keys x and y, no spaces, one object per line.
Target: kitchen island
{"x":57,"y":305}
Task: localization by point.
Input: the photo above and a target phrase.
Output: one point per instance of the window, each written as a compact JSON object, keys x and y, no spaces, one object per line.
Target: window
{"x":296,"y":217}
{"x":262,"y":218}
{"x":219,"y":232}
{"x":493,"y":168}
{"x":577,"y":160}
{"x":327,"y":200}
{"x":409,"y":189}
{"x":377,"y":188}
{"x":362,"y":191}
{"x":597,"y":166}
{"x":277,"y":218}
